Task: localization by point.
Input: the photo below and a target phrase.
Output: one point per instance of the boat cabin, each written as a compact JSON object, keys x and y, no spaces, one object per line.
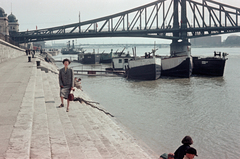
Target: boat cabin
{"x":91,"y":58}
{"x":120,"y":63}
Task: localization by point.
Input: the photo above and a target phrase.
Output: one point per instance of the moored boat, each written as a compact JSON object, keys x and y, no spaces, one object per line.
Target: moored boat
{"x":144,"y":69}
{"x":177,"y":66}
{"x":91,"y":58}
{"x":71,"y":50}
{"x":210,"y":66}
{"x":179,"y":63}
{"x":66,"y":51}
{"x":120,"y":62}
{"x":106,"y":57}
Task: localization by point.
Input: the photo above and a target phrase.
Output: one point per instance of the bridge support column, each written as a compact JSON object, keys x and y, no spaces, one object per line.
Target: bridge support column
{"x":182,"y":48}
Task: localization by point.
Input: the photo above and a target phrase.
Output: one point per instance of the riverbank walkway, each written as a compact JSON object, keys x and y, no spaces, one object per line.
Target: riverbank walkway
{"x":31,"y":125}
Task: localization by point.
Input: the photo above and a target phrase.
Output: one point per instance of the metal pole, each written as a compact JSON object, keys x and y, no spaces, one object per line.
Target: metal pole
{"x":184,"y":14}
{"x":220,"y":15}
{"x":140,"y":20}
{"x":127,"y":22}
{"x":184,"y":20}
{"x":225,"y":19}
{"x":203,"y":13}
{"x":210,"y":19}
{"x":124,"y":22}
{"x":112,"y":24}
{"x":157,"y":15}
{"x":145,"y":18}
{"x":236,"y":17}
{"x":194,"y":19}
{"x":164,"y":14}
{"x":176,"y":19}
{"x":79,"y":23}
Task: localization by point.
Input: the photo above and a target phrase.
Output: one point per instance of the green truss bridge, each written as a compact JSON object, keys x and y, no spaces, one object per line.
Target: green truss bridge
{"x":166,"y":19}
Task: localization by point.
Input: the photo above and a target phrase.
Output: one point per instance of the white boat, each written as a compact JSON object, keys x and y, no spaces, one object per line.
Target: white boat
{"x":121,"y":62}
{"x":179,"y":63}
{"x":144,"y":68}
{"x":177,"y":66}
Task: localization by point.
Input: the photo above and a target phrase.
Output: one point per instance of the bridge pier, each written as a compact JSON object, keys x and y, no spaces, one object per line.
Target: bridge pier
{"x":179,"y":63}
{"x":182,"y":48}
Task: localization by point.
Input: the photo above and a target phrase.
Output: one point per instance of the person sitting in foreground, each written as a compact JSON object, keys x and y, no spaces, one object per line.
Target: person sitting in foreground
{"x":167,"y":156}
{"x":181,"y":151}
{"x":190,"y":153}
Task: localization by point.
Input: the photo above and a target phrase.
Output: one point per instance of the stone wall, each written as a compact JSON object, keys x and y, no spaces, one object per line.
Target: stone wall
{"x":9,"y":51}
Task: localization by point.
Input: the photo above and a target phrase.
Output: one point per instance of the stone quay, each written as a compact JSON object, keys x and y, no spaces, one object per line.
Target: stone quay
{"x":32,"y":126}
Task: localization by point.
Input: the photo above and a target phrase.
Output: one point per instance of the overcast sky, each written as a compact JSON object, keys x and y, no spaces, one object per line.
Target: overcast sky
{"x":49,"y":13}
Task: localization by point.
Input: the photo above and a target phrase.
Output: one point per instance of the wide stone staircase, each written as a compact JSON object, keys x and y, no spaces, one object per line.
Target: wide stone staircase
{"x":43,"y":131}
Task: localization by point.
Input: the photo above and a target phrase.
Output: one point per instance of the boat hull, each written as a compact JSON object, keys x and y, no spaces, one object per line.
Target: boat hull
{"x":177,"y":66}
{"x":106,"y":58}
{"x":209,"y":66}
{"x":147,"y":69}
{"x":120,"y":63}
{"x":91,"y":59}
{"x":69,"y":52}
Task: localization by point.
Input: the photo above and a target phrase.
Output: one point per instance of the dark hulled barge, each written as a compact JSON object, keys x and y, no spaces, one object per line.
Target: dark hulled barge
{"x":177,"y":66}
{"x":210,"y":66}
{"x":144,"y":68}
{"x":179,"y":63}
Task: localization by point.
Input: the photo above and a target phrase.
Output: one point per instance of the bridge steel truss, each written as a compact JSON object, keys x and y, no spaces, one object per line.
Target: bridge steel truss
{"x":166,"y":19}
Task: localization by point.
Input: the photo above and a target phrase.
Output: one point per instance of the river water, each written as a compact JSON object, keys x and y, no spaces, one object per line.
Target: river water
{"x":162,"y":112}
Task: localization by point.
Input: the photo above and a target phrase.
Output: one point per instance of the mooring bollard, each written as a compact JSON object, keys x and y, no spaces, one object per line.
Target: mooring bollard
{"x":29,"y":58}
{"x":38,"y":63}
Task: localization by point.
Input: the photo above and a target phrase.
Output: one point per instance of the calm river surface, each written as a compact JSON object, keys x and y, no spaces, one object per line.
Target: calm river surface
{"x":163,"y":111}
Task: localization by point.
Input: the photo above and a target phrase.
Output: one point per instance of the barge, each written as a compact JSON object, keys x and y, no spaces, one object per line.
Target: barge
{"x":210,"y":66}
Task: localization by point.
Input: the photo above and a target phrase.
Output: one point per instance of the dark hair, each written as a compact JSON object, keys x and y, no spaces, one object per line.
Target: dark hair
{"x":187,"y":140}
{"x":66,"y":60}
{"x":170,"y":155}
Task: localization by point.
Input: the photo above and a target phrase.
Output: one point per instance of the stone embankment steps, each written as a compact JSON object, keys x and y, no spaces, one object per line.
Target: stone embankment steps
{"x":40,"y":143}
{"x":20,"y":140}
{"x":59,"y":146}
{"x":44,"y":131}
{"x":97,"y":133}
{"x":92,"y":145}
{"x":79,"y":148}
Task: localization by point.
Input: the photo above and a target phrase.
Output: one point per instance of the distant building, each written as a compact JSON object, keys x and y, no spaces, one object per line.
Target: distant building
{"x":8,"y":24}
{"x":207,"y":41}
{"x":13,"y":24}
{"x":3,"y":22}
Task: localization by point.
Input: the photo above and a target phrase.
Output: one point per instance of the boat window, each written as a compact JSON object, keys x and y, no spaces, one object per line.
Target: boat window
{"x":125,"y":60}
{"x":120,"y":61}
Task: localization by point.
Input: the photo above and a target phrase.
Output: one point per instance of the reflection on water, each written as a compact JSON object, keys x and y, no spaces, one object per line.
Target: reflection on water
{"x":163,"y":111}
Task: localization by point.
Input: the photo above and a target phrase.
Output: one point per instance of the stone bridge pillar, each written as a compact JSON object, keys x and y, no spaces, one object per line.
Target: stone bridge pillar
{"x":182,"y":48}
